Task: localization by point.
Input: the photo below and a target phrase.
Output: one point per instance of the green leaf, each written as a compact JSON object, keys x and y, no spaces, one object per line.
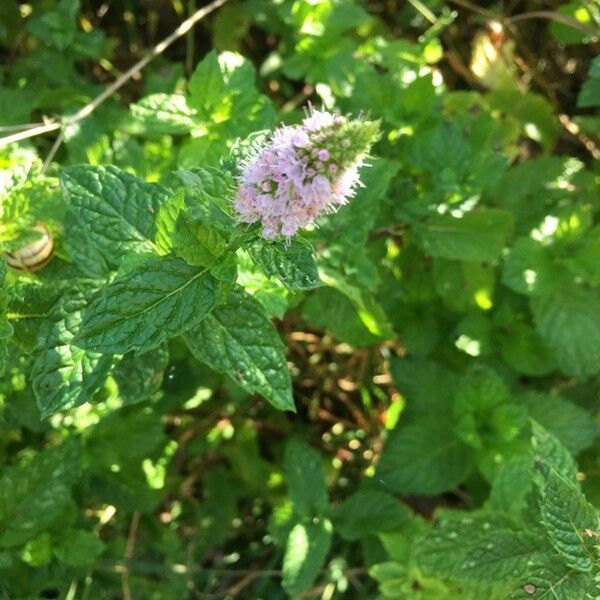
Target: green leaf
{"x":238,"y":339}
{"x":529,"y":268}
{"x":78,"y":548}
{"x":551,"y":453}
{"x":63,"y":375}
{"x":479,"y":235}
{"x":305,"y":479}
{"x":567,"y":517}
{"x":206,"y":85}
{"x":477,"y":548}
{"x":368,"y":512}
{"x":6,"y":330}
{"x":196,"y":242}
{"x":158,"y":298}
{"x":115,"y":209}
{"x":523,"y":350}
{"x":36,"y":493}
{"x":139,"y":376}
{"x":211,"y":191}
{"x":185,"y":231}
{"x":329,"y":309}
{"x":292,"y":263}
{"x":305,"y":553}
{"x":568,"y":320}
{"x":163,"y":114}
{"x":548,"y":577}
{"x":571,"y":424}
{"x":483,"y":411}
{"x":424,"y":457}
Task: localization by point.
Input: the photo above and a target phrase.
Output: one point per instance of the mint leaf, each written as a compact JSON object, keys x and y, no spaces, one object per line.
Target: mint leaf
{"x":571,"y":424}
{"x":238,"y":339}
{"x":424,"y":457}
{"x":568,"y":320}
{"x":78,"y":548}
{"x":570,"y":521}
{"x":163,"y":114}
{"x":368,"y":512}
{"x":479,"y":235}
{"x":305,"y":479}
{"x":115,"y":209}
{"x":139,"y":376}
{"x":292,"y":263}
{"x":36,"y":493}
{"x":477,"y":548}
{"x":305,"y":553}
{"x":206,"y":86}
{"x":160,"y":297}
{"x":63,"y":375}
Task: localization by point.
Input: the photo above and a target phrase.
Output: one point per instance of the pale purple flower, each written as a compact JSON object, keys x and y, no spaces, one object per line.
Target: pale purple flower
{"x":287,"y":185}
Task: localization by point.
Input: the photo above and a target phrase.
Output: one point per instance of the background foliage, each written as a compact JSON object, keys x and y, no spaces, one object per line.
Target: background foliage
{"x":440,"y":345}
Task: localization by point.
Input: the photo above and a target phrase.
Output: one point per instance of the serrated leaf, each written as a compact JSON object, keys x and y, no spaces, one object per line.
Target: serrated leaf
{"x":35,"y":493}
{"x":305,"y":478}
{"x":238,"y":339}
{"x":88,"y":259}
{"x":424,"y":457}
{"x":571,"y":424}
{"x":206,"y":85}
{"x":6,"y":330}
{"x":551,"y":453}
{"x":211,"y":191}
{"x":368,"y":512}
{"x":160,"y":297}
{"x":139,"y":376}
{"x":571,"y":522}
{"x":479,"y":235}
{"x":548,"y":577}
{"x":116,"y":210}
{"x":568,"y":320}
{"x":305,"y":553}
{"x":469,"y":547}
{"x":63,"y":375}
{"x":163,"y":114}
{"x":293,"y":264}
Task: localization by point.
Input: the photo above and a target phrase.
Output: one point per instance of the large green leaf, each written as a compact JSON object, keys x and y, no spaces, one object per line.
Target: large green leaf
{"x":292,"y":263}
{"x":368,"y":512}
{"x":62,"y":374}
{"x":479,"y":235}
{"x":238,"y":339}
{"x":160,"y":297}
{"x":115,"y":209}
{"x":471,"y":547}
{"x":568,"y":320}
{"x":571,"y":424}
{"x":139,"y":376}
{"x":305,"y":478}
{"x":305,"y":553}
{"x":424,"y":457}
{"x":569,"y":519}
{"x":163,"y":114}
{"x":36,"y":493}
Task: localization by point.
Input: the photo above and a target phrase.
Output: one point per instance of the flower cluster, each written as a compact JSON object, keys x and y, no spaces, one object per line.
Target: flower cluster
{"x":303,"y":172}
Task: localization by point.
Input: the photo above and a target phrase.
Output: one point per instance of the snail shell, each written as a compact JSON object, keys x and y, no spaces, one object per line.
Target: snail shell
{"x":35,"y":255}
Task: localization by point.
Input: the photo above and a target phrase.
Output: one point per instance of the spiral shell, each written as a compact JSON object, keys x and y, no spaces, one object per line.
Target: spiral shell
{"x":35,"y":255}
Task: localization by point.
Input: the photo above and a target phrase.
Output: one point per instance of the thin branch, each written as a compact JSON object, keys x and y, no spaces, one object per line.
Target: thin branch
{"x":57,"y":143}
{"x":554,"y":16}
{"x":19,"y":127}
{"x":89,"y":108}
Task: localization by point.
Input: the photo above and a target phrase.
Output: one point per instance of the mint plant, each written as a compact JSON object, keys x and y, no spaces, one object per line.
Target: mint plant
{"x":300,"y":304}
